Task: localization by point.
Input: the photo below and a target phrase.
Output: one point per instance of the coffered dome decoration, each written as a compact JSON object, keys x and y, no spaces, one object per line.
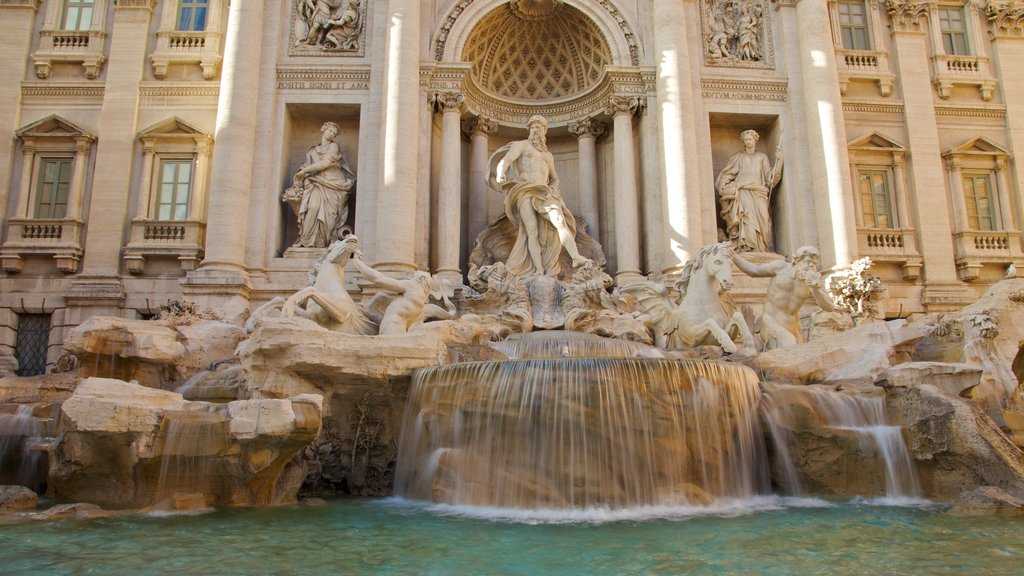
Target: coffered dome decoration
{"x":537,"y":58}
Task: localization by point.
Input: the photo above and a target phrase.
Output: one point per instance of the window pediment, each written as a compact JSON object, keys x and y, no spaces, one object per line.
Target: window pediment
{"x":876,"y":142}
{"x":53,"y":126}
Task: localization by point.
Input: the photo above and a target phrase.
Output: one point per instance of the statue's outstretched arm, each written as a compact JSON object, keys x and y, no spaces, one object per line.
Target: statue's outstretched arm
{"x":385,"y":282}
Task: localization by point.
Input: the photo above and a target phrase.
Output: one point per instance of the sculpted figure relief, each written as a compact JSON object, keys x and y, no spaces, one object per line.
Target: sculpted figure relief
{"x":326,"y":301}
{"x":332,"y":25}
{"x":732,"y":30}
{"x":404,"y":303}
{"x":526,"y":175}
{"x":744,"y":189}
{"x":319,"y":192}
{"x":790,"y":286}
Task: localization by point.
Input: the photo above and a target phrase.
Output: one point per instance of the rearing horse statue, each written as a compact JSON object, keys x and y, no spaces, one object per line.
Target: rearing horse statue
{"x":705,"y":315}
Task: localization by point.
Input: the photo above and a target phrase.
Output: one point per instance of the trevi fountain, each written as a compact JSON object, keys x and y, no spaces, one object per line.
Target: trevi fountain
{"x":530,"y":413}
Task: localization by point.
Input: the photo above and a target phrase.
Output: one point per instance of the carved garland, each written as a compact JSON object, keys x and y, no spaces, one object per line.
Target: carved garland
{"x":1007,"y":19}
{"x":908,"y":14}
{"x":458,"y":9}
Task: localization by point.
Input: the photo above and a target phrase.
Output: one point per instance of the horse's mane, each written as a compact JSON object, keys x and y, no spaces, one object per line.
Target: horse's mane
{"x":697,"y":262}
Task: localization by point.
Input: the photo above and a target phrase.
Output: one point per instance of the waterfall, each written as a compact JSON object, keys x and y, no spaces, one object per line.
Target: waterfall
{"x":23,"y":443}
{"x":579,"y":433}
{"x":189,"y":443}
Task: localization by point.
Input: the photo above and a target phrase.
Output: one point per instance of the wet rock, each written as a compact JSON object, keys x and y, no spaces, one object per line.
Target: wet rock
{"x":953,"y":379}
{"x":14,"y":498}
{"x":988,"y":500}
{"x":76,"y":510}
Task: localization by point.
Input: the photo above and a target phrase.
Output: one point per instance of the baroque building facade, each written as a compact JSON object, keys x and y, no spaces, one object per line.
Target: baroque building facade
{"x":148,"y":147}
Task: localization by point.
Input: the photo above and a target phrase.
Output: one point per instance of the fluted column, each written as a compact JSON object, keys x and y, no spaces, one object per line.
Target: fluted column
{"x":396,"y":204}
{"x":16,"y":33}
{"x":680,"y":192}
{"x":449,"y":225}
{"x":931,"y":210}
{"x":587,"y":132}
{"x":479,"y":131}
{"x":826,"y":135}
{"x":627,"y":212}
{"x":231,"y":167}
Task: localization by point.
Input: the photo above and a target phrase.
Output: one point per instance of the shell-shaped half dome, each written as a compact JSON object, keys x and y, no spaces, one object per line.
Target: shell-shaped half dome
{"x":536,"y":58}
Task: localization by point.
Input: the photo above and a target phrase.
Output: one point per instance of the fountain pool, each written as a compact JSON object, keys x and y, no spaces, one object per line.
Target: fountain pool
{"x":390,"y":536}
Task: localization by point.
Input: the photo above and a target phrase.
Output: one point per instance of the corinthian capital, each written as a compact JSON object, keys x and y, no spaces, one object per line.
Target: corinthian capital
{"x":445,"y":101}
{"x":908,"y":15}
{"x":587,"y":127}
{"x":626,"y":104}
{"x":480,"y":125}
{"x":1006,"y":18}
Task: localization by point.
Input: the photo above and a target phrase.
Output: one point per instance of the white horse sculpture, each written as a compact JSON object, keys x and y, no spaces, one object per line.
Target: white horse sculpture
{"x":705,"y":315}
{"x":326,"y":301}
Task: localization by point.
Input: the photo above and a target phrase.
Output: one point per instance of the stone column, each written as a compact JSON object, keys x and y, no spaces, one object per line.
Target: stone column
{"x":17,"y":19}
{"x":1007,"y":32}
{"x":930,"y":209}
{"x":396,"y":204}
{"x":587,"y":132}
{"x":680,"y":181}
{"x":826,"y":135}
{"x":627,"y":211}
{"x":99,"y":287}
{"x":479,"y":131}
{"x":77,"y":192}
{"x":449,"y":225}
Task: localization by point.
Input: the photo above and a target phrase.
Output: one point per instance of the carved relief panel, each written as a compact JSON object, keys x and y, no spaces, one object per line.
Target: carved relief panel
{"x":737,"y":33}
{"x":328,"y":27}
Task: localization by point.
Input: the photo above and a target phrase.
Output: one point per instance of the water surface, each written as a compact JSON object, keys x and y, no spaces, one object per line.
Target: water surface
{"x":364,"y":536}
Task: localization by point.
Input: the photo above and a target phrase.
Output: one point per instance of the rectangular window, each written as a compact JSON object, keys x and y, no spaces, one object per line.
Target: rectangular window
{"x":981,"y":213}
{"x":954,"y":31}
{"x":78,"y":14}
{"x":853,"y":25}
{"x":874,"y":199}
{"x":175,"y":186}
{"x":192,"y":15}
{"x":52,"y":187}
{"x":32,"y":340}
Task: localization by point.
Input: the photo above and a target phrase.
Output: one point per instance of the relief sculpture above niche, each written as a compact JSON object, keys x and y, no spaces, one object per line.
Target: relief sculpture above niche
{"x":328,"y":27}
{"x":737,"y":33}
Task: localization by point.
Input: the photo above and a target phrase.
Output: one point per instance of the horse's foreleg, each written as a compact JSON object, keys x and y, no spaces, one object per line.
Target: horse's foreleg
{"x":738,"y":325}
{"x":711,"y":328}
{"x":295,"y":304}
{"x":340,"y":312}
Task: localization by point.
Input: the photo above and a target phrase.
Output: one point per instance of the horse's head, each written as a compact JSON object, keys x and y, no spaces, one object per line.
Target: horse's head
{"x":714,"y":262}
{"x":340,"y":251}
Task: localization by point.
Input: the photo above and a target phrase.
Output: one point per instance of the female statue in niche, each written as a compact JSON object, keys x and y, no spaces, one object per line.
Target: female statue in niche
{"x":744,"y":188}
{"x":319,"y":192}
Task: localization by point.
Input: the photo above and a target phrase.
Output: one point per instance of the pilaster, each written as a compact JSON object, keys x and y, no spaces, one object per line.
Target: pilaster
{"x":1006,"y":28}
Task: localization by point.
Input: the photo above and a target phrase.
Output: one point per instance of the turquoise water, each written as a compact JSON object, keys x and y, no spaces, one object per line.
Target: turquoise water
{"x":362,"y":536}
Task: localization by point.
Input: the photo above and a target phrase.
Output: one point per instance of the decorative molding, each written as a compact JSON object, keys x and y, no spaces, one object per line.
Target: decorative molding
{"x":588,"y":127}
{"x":908,"y":15}
{"x":728,"y":89}
{"x":633,"y":105}
{"x":1006,"y":19}
{"x":158,"y":93}
{"x":134,"y":5}
{"x":534,"y":10}
{"x":61,"y":90}
{"x":873,"y":107}
{"x":479,"y":125}
{"x":737,"y":34}
{"x":456,"y":11}
{"x":319,"y":78}
{"x":444,"y":101}
{"x":970,"y":111}
{"x":33,"y":4}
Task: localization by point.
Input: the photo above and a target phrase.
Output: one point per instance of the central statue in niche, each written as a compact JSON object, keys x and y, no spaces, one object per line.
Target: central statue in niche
{"x":526,"y":176}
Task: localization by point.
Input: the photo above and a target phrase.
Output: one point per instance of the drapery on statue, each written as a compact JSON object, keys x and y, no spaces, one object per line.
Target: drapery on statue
{"x":526,"y":176}
{"x":329,"y":24}
{"x":744,"y":189}
{"x":319,"y":192}
{"x":790,"y":285}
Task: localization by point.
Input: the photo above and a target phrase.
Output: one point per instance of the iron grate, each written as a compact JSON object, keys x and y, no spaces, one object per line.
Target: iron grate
{"x":33,"y":340}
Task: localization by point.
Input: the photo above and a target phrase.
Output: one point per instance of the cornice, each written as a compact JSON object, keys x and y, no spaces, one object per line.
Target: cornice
{"x":732,"y":89}
{"x":1005,"y":18}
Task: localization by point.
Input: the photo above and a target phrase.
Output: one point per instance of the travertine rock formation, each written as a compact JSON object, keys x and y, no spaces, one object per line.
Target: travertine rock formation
{"x":128,"y":445}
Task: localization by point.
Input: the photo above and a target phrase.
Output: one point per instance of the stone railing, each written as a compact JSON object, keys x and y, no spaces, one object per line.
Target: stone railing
{"x":178,"y":47}
{"x":69,"y":46}
{"x":181,"y":239}
{"x":864,"y":65}
{"x":59,"y":237}
{"x":897,"y":245}
{"x":962,"y":69}
{"x":974,"y":248}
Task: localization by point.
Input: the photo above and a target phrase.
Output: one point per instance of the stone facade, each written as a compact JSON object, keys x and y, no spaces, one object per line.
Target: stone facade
{"x":147,"y":144}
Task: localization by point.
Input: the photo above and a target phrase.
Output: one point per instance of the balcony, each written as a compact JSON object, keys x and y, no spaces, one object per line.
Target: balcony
{"x":71,"y":46}
{"x":59,"y":237}
{"x":178,"y":47}
{"x":964,"y":70}
{"x":897,"y":245}
{"x":864,"y":65}
{"x":182,"y":239}
{"x":974,"y":248}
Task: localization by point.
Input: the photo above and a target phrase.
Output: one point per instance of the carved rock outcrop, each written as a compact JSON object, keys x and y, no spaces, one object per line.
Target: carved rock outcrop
{"x":127,"y":445}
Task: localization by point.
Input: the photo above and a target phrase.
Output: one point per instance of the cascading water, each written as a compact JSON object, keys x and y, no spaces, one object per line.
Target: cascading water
{"x":581,"y":433}
{"x":862,"y":415}
{"x":23,"y":443}
{"x":190,"y":441}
